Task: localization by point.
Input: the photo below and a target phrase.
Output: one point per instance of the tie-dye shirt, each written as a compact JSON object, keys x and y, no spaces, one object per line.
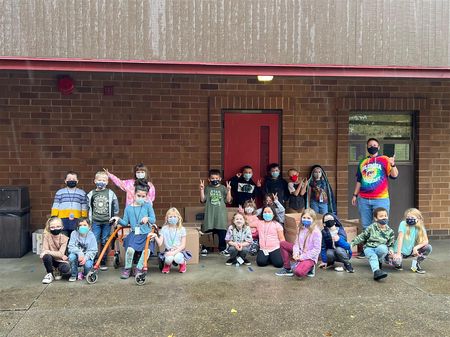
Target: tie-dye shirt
{"x":373,"y":174}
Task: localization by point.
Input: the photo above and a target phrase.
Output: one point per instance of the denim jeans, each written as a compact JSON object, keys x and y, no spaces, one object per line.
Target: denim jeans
{"x":73,"y":260}
{"x":319,"y":207}
{"x":234,"y":253}
{"x":102,"y":231}
{"x":376,"y":255}
{"x":366,"y":207}
{"x":337,"y":255}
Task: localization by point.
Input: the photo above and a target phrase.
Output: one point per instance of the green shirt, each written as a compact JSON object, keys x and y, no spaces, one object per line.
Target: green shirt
{"x":373,"y":236}
{"x":215,"y":209}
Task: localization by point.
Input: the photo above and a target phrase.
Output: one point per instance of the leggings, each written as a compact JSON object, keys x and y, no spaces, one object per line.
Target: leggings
{"x":302,"y":268}
{"x":129,"y":258}
{"x":50,"y":263}
{"x":274,"y":258}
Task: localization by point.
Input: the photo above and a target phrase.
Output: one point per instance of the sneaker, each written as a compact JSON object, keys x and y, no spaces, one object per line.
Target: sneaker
{"x":48,"y":278}
{"x":204,"y":252}
{"x":182,"y":268}
{"x":339,"y":269}
{"x":400,"y":267}
{"x":417,"y":269}
{"x":225,"y":253}
{"x":379,"y":274}
{"x":138,"y":271}
{"x":103,"y":267}
{"x":230,"y":262}
{"x":312,"y":272}
{"x":125,"y":273}
{"x":57,"y":275}
{"x":80,"y":276}
{"x":361,"y":255}
{"x":72,"y":278}
{"x":285,"y":272}
{"x":348,"y":267}
{"x":166,"y":269}
{"x":247,"y":262}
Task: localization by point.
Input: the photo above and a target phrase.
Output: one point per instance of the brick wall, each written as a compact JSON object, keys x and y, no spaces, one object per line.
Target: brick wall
{"x":170,"y":123}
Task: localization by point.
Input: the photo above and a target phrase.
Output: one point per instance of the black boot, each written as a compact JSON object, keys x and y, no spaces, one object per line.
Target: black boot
{"x":379,"y":274}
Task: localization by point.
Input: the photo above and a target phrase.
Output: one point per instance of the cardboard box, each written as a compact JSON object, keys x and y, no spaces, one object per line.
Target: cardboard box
{"x":37,"y":238}
{"x":209,"y":240}
{"x":352,"y":232}
{"x":194,"y":214}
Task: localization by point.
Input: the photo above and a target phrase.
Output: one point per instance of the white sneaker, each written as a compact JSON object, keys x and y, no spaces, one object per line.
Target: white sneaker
{"x":72,"y":278}
{"x":48,"y":278}
{"x":57,"y":275}
{"x":339,"y":269}
{"x":204,"y":252}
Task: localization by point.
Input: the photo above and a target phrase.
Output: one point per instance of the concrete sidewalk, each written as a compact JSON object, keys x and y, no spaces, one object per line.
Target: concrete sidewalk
{"x":200,"y":302}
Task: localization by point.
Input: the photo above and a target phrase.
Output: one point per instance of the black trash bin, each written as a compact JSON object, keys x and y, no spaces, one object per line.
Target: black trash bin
{"x":14,"y":221}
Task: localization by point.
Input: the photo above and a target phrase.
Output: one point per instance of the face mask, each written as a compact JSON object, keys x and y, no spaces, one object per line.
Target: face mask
{"x":317,"y":175}
{"x":372,"y":150}
{"x":56,"y":231}
{"x":140,"y":175}
{"x":411,"y":221}
{"x":294,"y":178}
{"x":383,"y":221}
{"x":306,"y":222}
{"x":267,"y":216}
{"x":330,"y":223}
{"x":248,"y":176}
{"x":215,"y":182}
{"x":172,"y":220}
{"x":275,"y":174}
{"x":71,"y":184}
{"x":239,"y":223}
{"x":100,"y":184}
{"x":249,"y":210}
{"x":83,"y":230}
{"x":140,"y":201}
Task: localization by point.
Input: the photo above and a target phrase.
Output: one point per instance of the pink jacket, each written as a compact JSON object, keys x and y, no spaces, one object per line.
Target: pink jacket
{"x":128,"y":187}
{"x":312,"y":246}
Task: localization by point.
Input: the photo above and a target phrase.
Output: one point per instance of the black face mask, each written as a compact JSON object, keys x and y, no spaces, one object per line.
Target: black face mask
{"x":330,"y":223}
{"x":372,"y":150}
{"x":56,"y":231}
{"x":215,"y":182}
{"x":71,"y":183}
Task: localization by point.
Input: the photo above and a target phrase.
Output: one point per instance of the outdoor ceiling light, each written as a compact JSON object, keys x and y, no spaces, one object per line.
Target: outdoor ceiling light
{"x":265,"y":78}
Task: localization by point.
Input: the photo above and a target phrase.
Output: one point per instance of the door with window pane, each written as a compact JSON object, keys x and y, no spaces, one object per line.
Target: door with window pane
{"x":395,"y":131}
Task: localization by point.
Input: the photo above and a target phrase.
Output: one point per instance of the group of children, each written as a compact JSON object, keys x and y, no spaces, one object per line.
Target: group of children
{"x":81,"y":223}
{"x":80,"y":226}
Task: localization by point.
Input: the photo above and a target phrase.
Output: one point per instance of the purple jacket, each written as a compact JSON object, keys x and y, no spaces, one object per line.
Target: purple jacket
{"x":312,"y":246}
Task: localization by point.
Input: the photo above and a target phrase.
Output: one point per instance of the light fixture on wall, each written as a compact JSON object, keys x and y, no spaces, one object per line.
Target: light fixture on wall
{"x":265,"y":78}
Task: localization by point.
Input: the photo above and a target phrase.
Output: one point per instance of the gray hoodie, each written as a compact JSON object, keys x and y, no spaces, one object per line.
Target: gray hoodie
{"x":84,"y":246}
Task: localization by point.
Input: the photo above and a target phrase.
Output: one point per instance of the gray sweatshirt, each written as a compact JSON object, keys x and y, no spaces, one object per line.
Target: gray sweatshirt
{"x":84,"y":246}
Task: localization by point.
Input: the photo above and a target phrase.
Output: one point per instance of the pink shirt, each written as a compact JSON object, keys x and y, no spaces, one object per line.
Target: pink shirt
{"x":308,"y":244}
{"x":128,"y":187}
{"x":252,"y":221}
{"x":268,"y":235}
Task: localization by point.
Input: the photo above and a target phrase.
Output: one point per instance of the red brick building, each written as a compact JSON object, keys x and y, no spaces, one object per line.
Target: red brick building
{"x":170,"y":115}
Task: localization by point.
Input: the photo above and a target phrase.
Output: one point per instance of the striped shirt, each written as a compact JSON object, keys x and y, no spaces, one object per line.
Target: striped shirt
{"x":70,"y":202}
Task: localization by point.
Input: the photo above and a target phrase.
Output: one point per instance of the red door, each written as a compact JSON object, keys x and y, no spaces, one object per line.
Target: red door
{"x":250,"y":139}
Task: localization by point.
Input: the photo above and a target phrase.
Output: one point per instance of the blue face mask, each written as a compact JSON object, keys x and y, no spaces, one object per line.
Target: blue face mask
{"x":411,"y":221}
{"x":306,"y":223}
{"x":172,"y":220}
{"x":275,"y":174}
{"x":100,"y":184}
{"x":83,"y":230}
{"x":140,"y":201}
{"x":383,"y":221}
{"x":248,"y":176}
{"x":267,"y":216}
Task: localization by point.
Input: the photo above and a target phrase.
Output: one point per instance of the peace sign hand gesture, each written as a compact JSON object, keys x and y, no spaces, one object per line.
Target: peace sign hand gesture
{"x":202,"y":185}
{"x":275,"y":196}
{"x":228,"y":186}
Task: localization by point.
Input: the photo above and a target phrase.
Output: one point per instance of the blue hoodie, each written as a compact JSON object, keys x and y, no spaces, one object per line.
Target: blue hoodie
{"x":83,"y":245}
{"x":327,"y":241}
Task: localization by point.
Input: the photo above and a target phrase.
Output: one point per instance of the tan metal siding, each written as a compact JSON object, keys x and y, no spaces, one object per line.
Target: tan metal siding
{"x":355,"y":32}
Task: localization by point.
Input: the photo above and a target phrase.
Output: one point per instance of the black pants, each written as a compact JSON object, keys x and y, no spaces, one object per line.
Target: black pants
{"x":221,"y":233}
{"x":274,"y":258}
{"x":50,"y":262}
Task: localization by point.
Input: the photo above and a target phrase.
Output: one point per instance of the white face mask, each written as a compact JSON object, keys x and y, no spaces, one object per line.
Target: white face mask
{"x":249,"y":210}
{"x":140,"y":175}
{"x":239,"y":223}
